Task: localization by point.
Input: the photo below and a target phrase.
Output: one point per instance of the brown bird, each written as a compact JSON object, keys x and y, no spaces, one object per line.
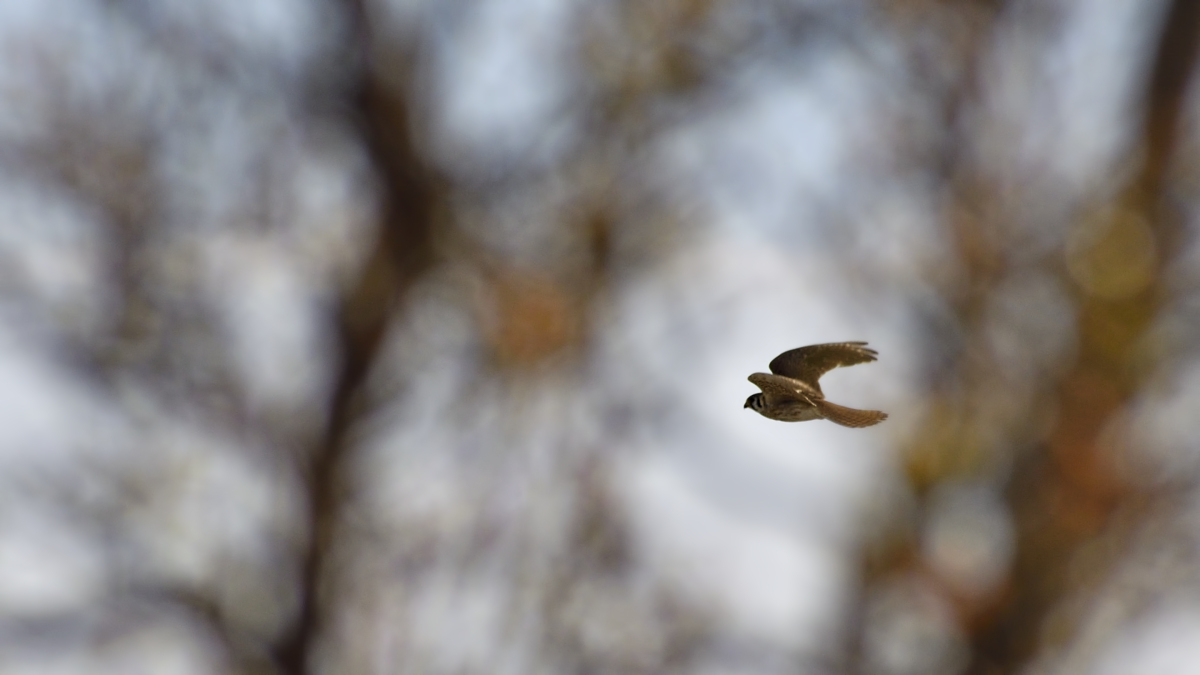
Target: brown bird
{"x":793,"y":393}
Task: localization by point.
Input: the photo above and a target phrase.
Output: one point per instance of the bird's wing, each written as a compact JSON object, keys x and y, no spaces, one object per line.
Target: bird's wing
{"x":808,"y":364}
{"x":784,"y":387}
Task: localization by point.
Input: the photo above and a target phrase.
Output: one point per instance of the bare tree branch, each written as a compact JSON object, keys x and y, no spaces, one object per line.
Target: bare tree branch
{"x":401,"y":252}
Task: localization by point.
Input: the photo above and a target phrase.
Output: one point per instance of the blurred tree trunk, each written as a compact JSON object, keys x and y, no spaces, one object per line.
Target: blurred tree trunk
{"x":1068,"y":493}
{"x":401,"y":252}
{"x":1068,"y":489}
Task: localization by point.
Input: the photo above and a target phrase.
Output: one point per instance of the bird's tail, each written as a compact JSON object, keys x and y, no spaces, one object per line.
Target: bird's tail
{"x":849,"y":417}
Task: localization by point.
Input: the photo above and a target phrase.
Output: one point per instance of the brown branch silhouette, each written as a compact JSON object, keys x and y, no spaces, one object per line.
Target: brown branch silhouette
{"x":397,"y":257}
{"x":1070,"y":496}
{"x":1064,"y":488}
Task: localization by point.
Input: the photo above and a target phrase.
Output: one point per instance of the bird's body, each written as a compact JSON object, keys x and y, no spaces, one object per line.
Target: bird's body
{"x":791,"y":392}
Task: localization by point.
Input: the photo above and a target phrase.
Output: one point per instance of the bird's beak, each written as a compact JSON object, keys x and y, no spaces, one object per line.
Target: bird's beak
{"x":747,"y":404}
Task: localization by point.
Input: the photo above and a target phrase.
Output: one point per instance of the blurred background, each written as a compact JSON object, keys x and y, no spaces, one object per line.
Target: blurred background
{"x":411,"y":336}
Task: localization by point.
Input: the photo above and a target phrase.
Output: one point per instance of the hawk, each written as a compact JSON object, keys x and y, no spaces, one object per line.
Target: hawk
{"x":792,"y":392}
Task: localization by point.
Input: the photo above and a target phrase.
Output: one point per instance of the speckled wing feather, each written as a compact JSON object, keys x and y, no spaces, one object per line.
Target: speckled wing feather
{"x":808,"y":364}
{"x":784,"y":387}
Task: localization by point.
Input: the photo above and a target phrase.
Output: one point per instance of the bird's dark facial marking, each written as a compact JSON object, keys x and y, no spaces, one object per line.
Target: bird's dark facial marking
{"x":750,"y":402}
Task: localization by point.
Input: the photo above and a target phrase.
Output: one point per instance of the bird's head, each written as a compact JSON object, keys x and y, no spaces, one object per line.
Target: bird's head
{"x":754,"y":402}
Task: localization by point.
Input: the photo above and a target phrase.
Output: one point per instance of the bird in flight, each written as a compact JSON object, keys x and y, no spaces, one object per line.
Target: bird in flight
{"x":792,"y":393}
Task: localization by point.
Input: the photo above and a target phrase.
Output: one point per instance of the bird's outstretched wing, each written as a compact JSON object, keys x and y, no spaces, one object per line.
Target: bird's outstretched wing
{"x":808,"y":364}
{"x":783,"y":387}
